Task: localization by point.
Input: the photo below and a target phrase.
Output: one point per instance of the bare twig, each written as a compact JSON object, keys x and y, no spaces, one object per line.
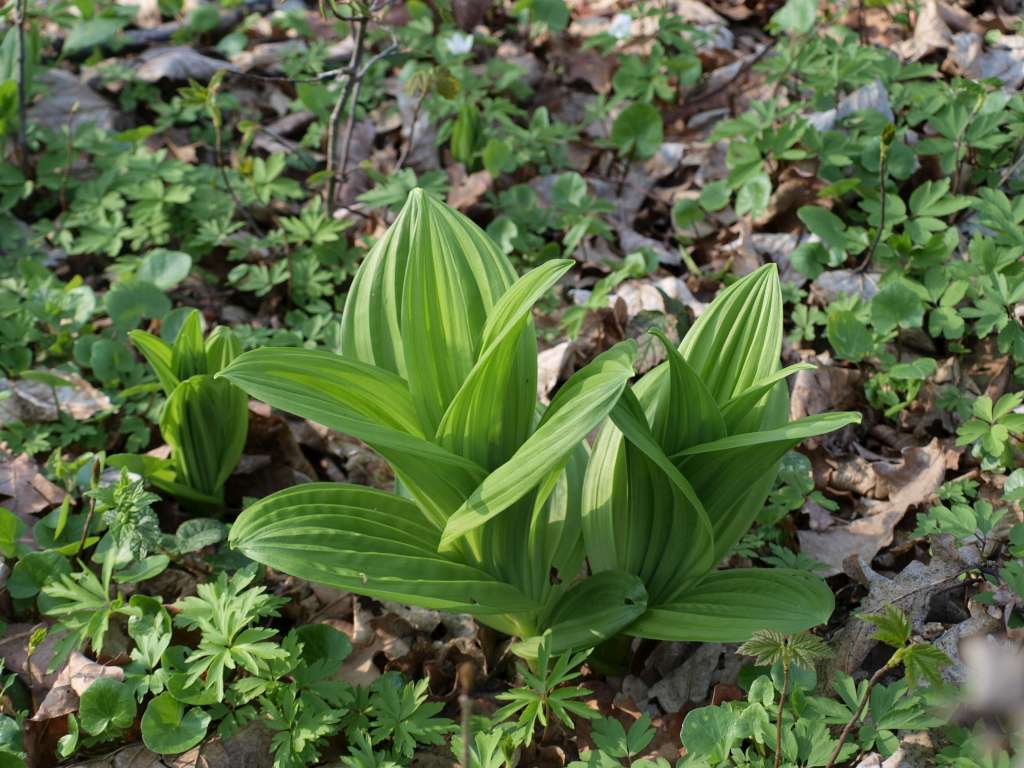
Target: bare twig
{"x":338,"y":171}
{"x":332,"y":125}
{"x":465,"y":675}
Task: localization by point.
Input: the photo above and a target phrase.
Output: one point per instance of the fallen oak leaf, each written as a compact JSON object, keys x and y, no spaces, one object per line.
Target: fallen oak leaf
{"x":922,"y":471}
{"x":911,"y":591}
{"x":28,"y":490}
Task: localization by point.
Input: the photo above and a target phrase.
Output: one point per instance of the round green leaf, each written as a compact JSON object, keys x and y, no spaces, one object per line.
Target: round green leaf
{"x":144,"y":569}
{"x":168,"y":729}
{"x":709,"y":732}
{"x":322,"y":643}
{"x":686,"y":212}
{"x":715,"y":195}
{"x":10,"y":734}
{"x":12,"y":528}
{"x":34,"y":570}
{"x":106,"y":703}
{"x":637,"y":131}
{"x":497,"y":156}
{"x":128,"y":303}
{"x":754,"y":195}
{"x":164,"y":268}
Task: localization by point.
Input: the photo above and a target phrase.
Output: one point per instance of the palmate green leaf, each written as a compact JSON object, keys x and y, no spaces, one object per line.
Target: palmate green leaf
{"x":580,"y":405}
{"x":369,"y":542}
{"x":493,"y":412}
{"x":368,"y":403}
{"x":729,"y":606}
{"x":205,"y":456}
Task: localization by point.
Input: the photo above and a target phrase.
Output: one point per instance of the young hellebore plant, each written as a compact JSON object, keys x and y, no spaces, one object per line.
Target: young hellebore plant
{"x":686,"y":462}
{"x":205,"y":420}
{"x":438,"y":374}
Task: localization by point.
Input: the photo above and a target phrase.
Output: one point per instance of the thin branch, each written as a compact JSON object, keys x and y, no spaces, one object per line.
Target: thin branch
{"x":339,"y":105}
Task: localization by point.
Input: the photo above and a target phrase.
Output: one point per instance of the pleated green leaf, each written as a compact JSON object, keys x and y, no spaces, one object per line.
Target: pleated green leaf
{"x":729,"y":606}
{"x":365,"y":402}
{"x":493,"y":412}
{"x":205,"y":456}
{"x":737,"y":341}
{"x":368,"y":542}
{"x":593,"y":610}
{"x":741,"y":413}
{"x":158,"y":354}
{"x":641,"y":515}
{"x":419,"y":301}
{"x":188,"y":353}
{"x":578,"y":408}
{"x":682,"y":410}
{"x":222,"y":346}
{"x":722,"y":471}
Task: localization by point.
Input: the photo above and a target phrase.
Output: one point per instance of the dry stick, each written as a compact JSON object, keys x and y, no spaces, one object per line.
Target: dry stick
{"x":19,"y":20}
{"x":332,"y":126}
{"x":856,"y":715}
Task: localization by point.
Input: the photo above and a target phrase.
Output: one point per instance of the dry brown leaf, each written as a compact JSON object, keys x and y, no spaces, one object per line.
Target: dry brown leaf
{"x":70,"y":102}
{"x":72,"y":681}
{"x":831,"y":285}
{"x":467,"y":189}
{"x":28,"y":490}
{"x":826,"y":388}
{"x":178,"y":64}
{"x":931,"y":33}
{"x":912,"y":481}
{"x":592,"y":68}
{"x":33,"y":401}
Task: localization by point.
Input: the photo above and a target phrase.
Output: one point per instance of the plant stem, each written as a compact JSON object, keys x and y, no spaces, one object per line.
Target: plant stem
{"x":856,"y":715}
{"x":19,"y":20}
{"x":69,"y":148}
{"x":407,"y":149}
{"x":466,"y":709}
{"x":352,"y":71}
{"x":883,"y":163}
{"x":96,"y":472}
{"x":778,"y":712}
